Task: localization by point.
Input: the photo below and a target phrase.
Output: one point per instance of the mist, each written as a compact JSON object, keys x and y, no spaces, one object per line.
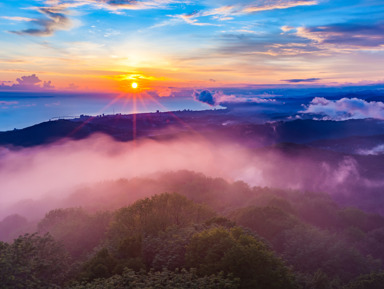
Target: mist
{"x":35,"y":180}
{"x":52,"y":172}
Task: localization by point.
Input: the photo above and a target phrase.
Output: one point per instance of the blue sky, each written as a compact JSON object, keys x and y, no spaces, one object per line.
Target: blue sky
{"x":102,"y":45}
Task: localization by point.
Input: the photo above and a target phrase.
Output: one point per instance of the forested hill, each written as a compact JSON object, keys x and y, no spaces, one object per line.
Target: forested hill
{"x":210,"y":234}
{"x":223,"y":124}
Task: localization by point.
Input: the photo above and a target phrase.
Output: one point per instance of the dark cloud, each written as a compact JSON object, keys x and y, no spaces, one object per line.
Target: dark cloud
{"x":295,"y":80}
{"x":119,"y":2}
{"x":54,"y":19}
{"x":204,"y":96}
{"x":346,"y":34}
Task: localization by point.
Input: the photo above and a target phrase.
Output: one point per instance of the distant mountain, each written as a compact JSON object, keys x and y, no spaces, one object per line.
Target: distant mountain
{"x":366,"y":145}
{"x":43,"y":133}
{"x":225,"y":124}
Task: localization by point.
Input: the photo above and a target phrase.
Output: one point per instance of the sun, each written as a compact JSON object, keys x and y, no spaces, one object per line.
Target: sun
{"x":134,"y":85}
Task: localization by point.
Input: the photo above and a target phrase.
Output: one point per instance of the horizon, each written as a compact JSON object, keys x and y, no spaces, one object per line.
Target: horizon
{"x":21,"y":109}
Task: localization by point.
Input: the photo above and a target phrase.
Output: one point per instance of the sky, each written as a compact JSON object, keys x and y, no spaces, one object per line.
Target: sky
{"x":163,"y":45}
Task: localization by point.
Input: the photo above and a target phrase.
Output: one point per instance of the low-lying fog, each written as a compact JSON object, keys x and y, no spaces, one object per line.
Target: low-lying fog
{"x":38,"y":178}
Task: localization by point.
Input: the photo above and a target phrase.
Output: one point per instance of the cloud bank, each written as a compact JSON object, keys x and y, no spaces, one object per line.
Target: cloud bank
{"x":345,"y":108}
{"x":220,"y":98}
{"x":50,"y":174}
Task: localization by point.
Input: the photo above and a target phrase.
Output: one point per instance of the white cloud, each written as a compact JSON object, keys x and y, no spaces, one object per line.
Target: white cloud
{"x":17,"y":18}
{"x":345,"y":108}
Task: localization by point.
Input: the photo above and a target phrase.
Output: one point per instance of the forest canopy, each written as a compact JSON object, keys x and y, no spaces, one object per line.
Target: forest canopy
{"x":206,"y":233}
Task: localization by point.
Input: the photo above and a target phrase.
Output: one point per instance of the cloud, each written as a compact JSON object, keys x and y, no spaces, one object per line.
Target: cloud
{"x":204,"y":96}
{"x":295,"y":80}
{"x":57,"y":103}
{"x":164,"y":91}
{"x":377,"y":150}
{"x":45,"y":177}
{"x":292,"y":49}
{"x":247,"y":7}
{"x":28,"y":82}
{"x":227,"y":12}
{"x":16,"y":18}
{"x":286,"y":28}
{"x":114,"y":5}
{"x":326,"y":40}
{"x":345,"y":108}
{"x":72,"y":86}
{"x":6,"y":82}
{"x":135,"y":4}
{"x":220,"y":98}
{"x":265,"y":43}
{"x":191,"y":18}
{"x":224,"y":99}
{"x":55,"y":13}
{"x":54,"y":19}
{"x":3,"y":102}
{"x":48,"y":85}
{"x":350,"y":35}
{"x":2,"y":60}
{"x":278,"y":5}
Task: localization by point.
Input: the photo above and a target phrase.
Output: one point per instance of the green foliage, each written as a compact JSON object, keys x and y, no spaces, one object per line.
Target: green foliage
{"x":309,"y":249}
{"x":162,"y":280}
{"x":79,"y":231}
{"x":105,"y":264}
{"x":102,"y":265}
{"x":374,"y":243}
{"x":154,"y":215}
{"x":326,"y":246}
{"x":370,"y":281}
{"x":32,"y":261}
{"x":268,"y":222}
{"x":233,"y":251}
{"x":148,"y":218}
{"x":167,"y":250}
{"x":217,"y":193}
{"x":220,"y":221}
{"x":353,"y":217}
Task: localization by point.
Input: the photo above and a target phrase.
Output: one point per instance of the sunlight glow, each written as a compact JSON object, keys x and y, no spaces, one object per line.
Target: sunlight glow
{"x":134,"y":85}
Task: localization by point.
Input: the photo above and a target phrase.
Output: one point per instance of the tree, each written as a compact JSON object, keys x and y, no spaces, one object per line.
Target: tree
{"x":78,"y":230}
{"x":162,"y":279}
{"x":308,"y":249}
{"x":154,"y":215}
{"x":33,"y":261}
{"x":268,"y":222}
{"x":232,"y":251}
{"x":370,"y":281}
